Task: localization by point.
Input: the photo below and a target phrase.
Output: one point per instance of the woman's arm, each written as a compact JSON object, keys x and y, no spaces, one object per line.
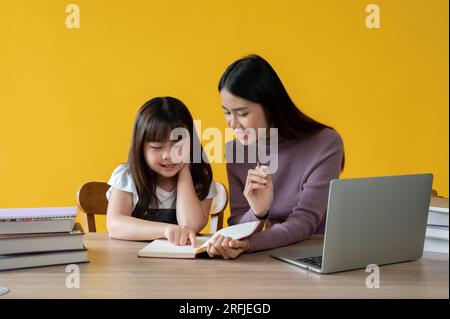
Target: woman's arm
{"x":311,"y":207}
{"x":304,"y":218}
{"x":191,"y":212}
{"x":121,"y":225}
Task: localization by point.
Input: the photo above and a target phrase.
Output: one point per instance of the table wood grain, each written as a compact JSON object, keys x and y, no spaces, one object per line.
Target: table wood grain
{"x":115,"y":271}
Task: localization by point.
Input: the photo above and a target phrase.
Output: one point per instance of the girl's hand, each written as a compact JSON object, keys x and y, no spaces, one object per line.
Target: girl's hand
{"x":184,"y":173}
{"x":259,"y":191}
{"x":227,"y":248}
{"x":186,"y":168}
{"x":179,"y":235}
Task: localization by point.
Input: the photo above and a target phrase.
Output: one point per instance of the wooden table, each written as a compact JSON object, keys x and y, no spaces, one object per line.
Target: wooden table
{"x":115,"y":271}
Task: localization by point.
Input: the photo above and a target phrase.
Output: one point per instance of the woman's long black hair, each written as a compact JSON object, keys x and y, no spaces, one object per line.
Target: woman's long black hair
{"x":253,"y":78}
{"x":154,"y":122}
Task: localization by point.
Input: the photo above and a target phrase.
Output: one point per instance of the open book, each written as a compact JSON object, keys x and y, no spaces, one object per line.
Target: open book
{"x":164,"y":249}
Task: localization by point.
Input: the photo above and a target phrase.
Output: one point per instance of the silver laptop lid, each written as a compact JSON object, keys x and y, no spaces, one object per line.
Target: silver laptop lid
{"x":378,"y":220}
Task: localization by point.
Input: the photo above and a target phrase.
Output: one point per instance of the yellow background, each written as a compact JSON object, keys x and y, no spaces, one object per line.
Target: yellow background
{"x":69,"y":96}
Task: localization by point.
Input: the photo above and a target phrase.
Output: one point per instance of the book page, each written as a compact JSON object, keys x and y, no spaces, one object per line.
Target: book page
{"x":236,"y":231}
{"x":439,"y":209}
{"x":164,"y":246}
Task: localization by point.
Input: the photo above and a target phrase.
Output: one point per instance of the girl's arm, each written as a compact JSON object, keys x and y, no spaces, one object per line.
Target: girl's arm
{"x":121,"y":225}
{"x":191,"y":212}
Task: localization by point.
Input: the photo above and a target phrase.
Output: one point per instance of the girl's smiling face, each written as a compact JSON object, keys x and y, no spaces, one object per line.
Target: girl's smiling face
{"x":165,"y":158}
{"x":243,"y":116}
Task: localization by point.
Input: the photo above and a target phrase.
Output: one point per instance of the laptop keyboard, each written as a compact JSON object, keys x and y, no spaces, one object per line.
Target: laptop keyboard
{"x":313,"y":261}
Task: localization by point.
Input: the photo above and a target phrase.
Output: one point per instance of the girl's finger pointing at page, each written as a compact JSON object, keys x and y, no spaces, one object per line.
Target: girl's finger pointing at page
{"x":192,"y":238}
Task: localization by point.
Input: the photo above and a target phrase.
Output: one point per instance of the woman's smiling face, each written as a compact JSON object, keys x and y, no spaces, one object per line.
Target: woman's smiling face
{"x":243,"y":116}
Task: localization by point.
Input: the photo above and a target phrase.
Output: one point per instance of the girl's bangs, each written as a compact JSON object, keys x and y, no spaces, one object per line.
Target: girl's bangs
{"x":158,"y":129}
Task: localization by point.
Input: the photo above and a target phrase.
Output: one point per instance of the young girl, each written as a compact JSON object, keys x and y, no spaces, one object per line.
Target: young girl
{"x":160,"y":193}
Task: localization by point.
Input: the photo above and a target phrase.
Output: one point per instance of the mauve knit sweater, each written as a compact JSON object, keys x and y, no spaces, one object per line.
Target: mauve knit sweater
{"x":301,"y":183}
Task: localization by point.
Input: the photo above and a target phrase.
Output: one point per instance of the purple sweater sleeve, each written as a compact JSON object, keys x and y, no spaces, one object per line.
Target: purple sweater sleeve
{"x":308,"y":212}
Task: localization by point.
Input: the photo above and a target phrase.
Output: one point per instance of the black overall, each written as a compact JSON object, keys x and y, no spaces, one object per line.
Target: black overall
{"x":162,"y":215}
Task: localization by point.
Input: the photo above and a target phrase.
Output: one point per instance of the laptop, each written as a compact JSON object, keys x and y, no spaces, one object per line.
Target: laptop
{"x":378,"y":220}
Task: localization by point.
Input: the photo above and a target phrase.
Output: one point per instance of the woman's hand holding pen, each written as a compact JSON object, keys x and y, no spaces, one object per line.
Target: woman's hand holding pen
{"x":259,"y":190}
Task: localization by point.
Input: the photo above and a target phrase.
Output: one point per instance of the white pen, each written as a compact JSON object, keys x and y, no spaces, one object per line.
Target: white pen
{"x":261,"y":168}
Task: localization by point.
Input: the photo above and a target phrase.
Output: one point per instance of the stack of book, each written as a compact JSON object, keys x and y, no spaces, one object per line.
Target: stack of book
{"x":34,"y":237}
{"x":436,"y":236}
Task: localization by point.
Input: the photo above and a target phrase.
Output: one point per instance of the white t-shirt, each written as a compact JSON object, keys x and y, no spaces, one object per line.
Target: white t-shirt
{"x":122,"y":179}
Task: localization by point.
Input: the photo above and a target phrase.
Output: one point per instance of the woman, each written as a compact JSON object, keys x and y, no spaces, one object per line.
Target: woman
{"x":292,"y":200}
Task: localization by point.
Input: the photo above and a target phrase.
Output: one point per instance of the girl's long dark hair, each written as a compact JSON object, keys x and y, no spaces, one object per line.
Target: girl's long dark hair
{"x":154,"y":122}
{"x":253,"y":78}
